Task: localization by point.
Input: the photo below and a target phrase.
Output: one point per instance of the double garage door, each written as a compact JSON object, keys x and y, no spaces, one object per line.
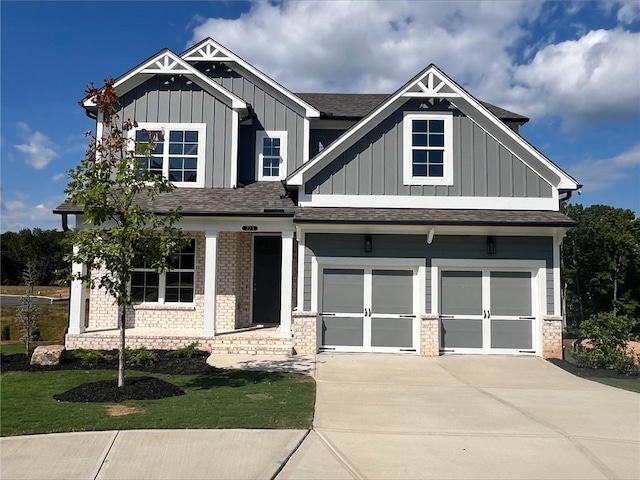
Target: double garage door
{"x":377,"y":308}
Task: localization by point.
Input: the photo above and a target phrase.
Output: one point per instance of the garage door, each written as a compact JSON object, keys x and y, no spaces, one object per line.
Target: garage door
{"x":487,"y":311}
{"x":368,"y":309}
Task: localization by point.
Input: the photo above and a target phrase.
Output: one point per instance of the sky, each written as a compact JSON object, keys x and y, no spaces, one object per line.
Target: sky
{"x":572,"y":67}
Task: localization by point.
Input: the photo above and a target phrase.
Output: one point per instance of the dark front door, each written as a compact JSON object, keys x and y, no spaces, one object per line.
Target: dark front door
{"x":267,"y":263}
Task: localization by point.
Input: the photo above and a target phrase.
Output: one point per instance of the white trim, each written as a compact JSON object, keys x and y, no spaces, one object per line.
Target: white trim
{"x":408,"y":148}
{"x":282,"y":170}
{"x":286,"y":282}
{"x":300,"y":235}
{"x":210,"y":273}
{"x":201,"y":128}
{"x":406,"y":201}
{"x":306,"y":134}
{"x":543,"y":231}
{"x":190,"y":55}
{"x":77,"y":299}
{"x":235,"y":124}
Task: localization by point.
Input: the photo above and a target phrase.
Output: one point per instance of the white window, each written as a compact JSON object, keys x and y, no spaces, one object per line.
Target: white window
{"x":271,"y":155}
{"x":428,"y":148}
{"x":179,"y":151}
{"x":174,"y":286}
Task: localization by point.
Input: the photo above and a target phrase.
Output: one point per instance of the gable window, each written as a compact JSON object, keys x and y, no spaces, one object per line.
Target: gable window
{"x":271,"y":155}
{"x":174,"y":286}
{"x":428,"y":148}
{"x":178,"y":153}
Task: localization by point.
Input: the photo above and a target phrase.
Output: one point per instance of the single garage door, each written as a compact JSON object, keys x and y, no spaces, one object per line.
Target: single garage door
{"x":487,"y":311}
{"x":368,"y":309}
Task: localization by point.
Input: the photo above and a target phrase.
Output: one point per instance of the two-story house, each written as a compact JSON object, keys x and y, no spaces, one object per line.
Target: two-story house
{"x":418,"y":222}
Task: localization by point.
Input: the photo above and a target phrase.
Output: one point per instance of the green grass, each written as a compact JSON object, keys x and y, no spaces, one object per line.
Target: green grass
{"x":44,"y":290}
{"x":631,"y":383}
{"x":52,"y":321}
{"x":221,"y":399}
{"x":10,"y":348}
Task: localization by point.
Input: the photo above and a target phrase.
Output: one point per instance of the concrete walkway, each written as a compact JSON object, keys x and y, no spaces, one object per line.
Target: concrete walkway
{"x":380,"y":417}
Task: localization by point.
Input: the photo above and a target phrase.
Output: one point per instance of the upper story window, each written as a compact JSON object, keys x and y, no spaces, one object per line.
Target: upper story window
{"x":179,"y":151}
{"x":271,"y":155}
{"x":428,"y":148}
{"x":174,"y":286}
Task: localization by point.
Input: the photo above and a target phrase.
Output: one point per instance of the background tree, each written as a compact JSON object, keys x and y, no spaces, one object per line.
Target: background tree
{"x":28,"y":311}
{"x":117,"y":194}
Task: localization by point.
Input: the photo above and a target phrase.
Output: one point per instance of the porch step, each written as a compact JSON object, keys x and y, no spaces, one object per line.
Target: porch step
{"x":252,"y":346}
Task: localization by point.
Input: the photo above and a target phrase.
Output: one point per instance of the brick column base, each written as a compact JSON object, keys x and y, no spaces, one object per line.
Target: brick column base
{"x":552,"y":337}
{"x":429,"y":335}
{"x":303,"y":329}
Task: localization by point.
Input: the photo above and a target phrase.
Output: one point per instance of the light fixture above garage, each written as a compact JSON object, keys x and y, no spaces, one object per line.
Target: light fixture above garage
{"x":492,"y":246}
{"x":368,"y":244}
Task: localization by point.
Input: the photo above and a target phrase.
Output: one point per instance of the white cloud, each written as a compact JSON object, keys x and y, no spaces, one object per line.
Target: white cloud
{"x":629,"y":12}
{"x":57,"y":177}
{"x":377,"y":46}
{"x":18,"y":214}
{"x":604,"y":173}
{"x":39,"y":149}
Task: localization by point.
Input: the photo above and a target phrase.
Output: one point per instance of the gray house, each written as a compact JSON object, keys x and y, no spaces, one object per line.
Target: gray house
{"x":419,"y":222}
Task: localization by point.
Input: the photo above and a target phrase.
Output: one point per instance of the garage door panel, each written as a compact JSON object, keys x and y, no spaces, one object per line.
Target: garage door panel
{"x":511,"y":334}
{"x":392,"y":291}
{"x":511,"y":294}
{"x":461,"y":293}
{"x":461,"y":333}
{"x":342,"y":331}
{"x":343,"y":290}
{"x":392,"y":332}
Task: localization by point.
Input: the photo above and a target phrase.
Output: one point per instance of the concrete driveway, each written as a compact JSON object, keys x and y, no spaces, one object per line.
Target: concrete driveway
{"x":403,"y":417}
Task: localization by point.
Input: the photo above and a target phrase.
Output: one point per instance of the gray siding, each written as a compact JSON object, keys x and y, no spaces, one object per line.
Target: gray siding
{"x":159,"y":100}
{"x":271,"y":114}
{"x":321,"y":138}
{"x":415,"y":246}
{"x":481,"y":166}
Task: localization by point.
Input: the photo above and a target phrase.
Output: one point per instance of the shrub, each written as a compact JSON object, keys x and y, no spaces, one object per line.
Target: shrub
{"x":608,"y":335}
{"x":188,"y":351}
{"x":6,"y":332}
{"x":91,"y":358}
{"x":140,"y":357}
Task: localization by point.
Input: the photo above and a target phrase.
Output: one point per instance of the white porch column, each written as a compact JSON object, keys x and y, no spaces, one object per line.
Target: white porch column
{"x":77,"y":300}
{"x":286,"y":284}
{"x":210,"y":258}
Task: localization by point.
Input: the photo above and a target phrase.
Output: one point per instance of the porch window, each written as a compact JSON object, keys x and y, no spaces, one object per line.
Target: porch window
{"x":174,"y":286}
{"x":428,"y":155}
{"x":178,"y":151}
{"x":271,"y":155}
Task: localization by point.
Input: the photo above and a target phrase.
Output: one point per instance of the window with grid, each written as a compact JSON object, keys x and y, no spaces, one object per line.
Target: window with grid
{"x":177,"y":285}
{"x":271,"y":155}
{"x":428,"y":155}
{"x":178,"y":151}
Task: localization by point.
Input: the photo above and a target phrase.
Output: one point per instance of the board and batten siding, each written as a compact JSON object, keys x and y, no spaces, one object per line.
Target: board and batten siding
{"x":163,"y":100}
{"x":271,"y":114}
{"x":482,"y":167}
{"x":415,"y":246}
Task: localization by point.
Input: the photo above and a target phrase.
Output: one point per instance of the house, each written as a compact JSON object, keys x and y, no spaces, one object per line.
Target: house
{"x":419,"y":222}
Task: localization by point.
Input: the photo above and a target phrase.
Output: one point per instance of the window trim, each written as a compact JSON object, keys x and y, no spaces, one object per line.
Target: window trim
{"x":201,"y":128}
{"x":407,"y":148}
{"x":260,"y":136}
{"x":162,"y":283}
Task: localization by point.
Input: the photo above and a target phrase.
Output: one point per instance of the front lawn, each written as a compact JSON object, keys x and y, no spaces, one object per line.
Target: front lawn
{"x":213,"y":399}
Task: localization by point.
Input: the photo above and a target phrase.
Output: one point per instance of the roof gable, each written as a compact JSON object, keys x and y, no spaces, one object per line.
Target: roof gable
{"x":209,"y":50}
{"x":166,"y":62}
{"x":428,"y":84}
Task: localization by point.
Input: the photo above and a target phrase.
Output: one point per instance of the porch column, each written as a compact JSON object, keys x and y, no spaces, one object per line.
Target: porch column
{"x":210,"y":258}
{"x":286,"y":284}
{"x":77,"y":300}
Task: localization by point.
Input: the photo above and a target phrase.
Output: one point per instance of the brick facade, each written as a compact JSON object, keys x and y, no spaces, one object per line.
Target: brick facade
{"x":303,"y":327}
{"x":233,"y":281}
{"x":552,"y":337}
{"x":429,"y":335}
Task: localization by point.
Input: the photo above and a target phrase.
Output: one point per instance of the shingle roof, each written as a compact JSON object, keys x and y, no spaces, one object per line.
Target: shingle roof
{"x":416,"y":216}
{"x":256,"y":199}
{"x":357,"y":105}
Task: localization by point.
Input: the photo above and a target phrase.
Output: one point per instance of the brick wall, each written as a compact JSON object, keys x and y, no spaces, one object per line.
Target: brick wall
{"x":552,"y":337}
{"x":429,"y":335}
{"x":233,"y":281}
{"x":303,"y":327}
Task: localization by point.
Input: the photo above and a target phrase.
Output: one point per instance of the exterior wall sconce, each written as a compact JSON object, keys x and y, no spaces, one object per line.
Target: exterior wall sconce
{"x":368,"y":244}
{"x":492,"y":246}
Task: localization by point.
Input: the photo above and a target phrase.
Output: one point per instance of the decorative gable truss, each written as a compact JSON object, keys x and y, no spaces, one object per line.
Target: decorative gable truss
{"x":431,"y":86}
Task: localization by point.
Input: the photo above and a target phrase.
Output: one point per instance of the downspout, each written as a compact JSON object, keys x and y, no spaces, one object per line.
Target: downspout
{"x":65,"y":222}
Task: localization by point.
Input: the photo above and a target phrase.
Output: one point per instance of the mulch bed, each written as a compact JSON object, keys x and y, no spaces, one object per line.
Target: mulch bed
{"x":587,"y":372}
{"x":136,"y":388}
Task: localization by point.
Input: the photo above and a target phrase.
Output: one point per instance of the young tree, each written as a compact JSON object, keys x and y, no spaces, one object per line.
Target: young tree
{"x":116,"y":192}
{"x":28,"y":312}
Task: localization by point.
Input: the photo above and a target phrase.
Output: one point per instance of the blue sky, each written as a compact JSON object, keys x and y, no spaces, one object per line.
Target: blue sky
{"x":573,"y":67}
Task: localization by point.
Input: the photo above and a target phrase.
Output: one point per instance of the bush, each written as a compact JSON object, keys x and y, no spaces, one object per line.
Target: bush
{"x":140,"y":357}
{"x":6,"y":332}
{"x":91,"y":358}
{"x":188,"y":351}
{"x":608,"y":335}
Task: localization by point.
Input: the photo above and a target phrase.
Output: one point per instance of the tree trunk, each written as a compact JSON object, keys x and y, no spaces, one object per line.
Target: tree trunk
{"x":123,"y":313}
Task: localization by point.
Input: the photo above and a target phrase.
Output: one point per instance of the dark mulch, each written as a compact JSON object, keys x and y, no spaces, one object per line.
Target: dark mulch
{"x":587,"y":372}
{"x":136,"y":388}
{"x":166,"y":363}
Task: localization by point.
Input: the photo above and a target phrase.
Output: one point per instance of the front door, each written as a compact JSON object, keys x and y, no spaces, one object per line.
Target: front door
{"x":267,"y":264}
